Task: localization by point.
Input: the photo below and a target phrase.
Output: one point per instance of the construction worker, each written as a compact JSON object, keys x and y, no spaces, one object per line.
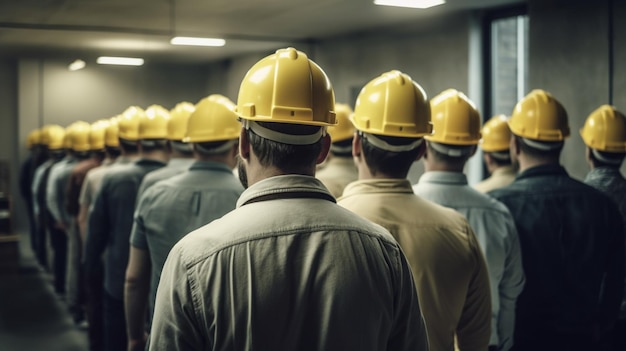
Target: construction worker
{"x":56,"y":199}
{"x":604,"y":133}
{"x":119,"y":152}
{"x":446,"y":261}
{"x":94,"y":139}
{"x":288,"y":269}
{"x":496,"y":136}
{"x":27,"y":170}
{"x":456,"y":123}
{"x":571,"y":236}
{"x":111,"y":216}
{"x":171,"y":208}
{"x":52,"y":139}
{"x":180,"y":154}
{"x":339,"y":169}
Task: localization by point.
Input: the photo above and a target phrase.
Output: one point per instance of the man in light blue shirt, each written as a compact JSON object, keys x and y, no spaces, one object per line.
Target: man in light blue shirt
{"x":456,"y":124}
{"x":171,"y":208}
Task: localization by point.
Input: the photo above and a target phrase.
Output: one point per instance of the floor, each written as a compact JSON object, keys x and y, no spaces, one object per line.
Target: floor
{"x":32,"y":317}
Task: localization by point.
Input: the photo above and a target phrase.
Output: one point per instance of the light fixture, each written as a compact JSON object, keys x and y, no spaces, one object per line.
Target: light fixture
{"x":125,"y":61}
{"x":76,"y":65}
{"x":415,"y":4}
{"x":197,"y":41}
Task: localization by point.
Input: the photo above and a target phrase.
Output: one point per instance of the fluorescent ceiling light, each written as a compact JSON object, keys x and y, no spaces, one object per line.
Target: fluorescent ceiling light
{"x":126,"y":61}
{"x":76,"y":65}
{"x":197,"y":41}
{"x":415,"y":4}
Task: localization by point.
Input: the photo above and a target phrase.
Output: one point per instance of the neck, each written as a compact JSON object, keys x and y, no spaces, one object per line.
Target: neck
{"x":530,"y":162}
{"x":157,"y":155}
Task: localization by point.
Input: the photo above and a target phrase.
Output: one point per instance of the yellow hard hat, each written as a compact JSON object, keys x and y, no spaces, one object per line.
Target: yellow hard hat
{"x":79,"y":135}
{"x":153,"y":123}
{"x":179,"y":115}
{"x":128,"y":123}
{"x":55,"y":137}
{"x":287,"y":87}
{"x":214,"y":119}
{"x":33,"y":138}
{"x":455,"y":118}
{"x":605,"y":130}
{"x":539,"y":116}
{"x":392,"y":105}
{"x":344,"y":129}
{"x":97,"y":134}
{"x":111,"y":132}
{"x":496,"y":134}
{"x":67,"y":137}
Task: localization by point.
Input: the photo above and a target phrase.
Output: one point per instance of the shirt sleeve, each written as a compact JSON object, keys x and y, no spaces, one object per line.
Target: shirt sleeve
{"x":474,"y":328}
{"x":511,"y":286}
{"x":175,"y":320}
{"x":409,"y":330}
{"x":97,"y":232}
{"x":138,"y":234}
{"x":52,"y":201}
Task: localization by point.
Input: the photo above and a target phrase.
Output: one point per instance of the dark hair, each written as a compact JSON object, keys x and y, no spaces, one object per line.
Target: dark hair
{"x":616,"y":157}
{"x":452,"y":160}
{"x":534,"y":152}
{"x":128,"y":146}
{"x":207,"y":148}
{"x":113,"y":151}
{"x":286,"y":157}
{"x":148,"y":145}
{"x":337,"y":148}
{"x":394,"y":164}
{"x":499,"y":160}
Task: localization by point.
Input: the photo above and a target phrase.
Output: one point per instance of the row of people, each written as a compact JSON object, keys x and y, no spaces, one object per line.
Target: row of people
{"x":392,"y":265}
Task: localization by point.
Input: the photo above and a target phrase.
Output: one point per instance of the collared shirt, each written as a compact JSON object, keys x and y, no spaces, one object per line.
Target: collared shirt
{"x":111,"y":220}
{"x":495,"y":229}
{"x":611,"y":182}
{"x":501,"y":177}
{"x":447,"y":264}
{"x":92,"y":182}
{"x":56,"y":189}
{"x":288,"y":269}
{"x":573,"y":253}
{"x":174,"y":166}
{"x":337,"y":173}
{"x":171,"y":208}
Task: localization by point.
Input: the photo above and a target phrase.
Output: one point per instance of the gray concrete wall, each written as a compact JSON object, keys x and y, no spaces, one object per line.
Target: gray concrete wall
{"x":569,"y":57}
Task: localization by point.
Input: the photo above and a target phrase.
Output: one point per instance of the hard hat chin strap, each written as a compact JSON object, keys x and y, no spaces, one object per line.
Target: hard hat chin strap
{"x":381,"y":144}
{"x":283,"y":138}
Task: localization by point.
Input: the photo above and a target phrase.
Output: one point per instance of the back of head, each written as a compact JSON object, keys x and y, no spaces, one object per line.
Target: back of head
{"x":213,"y":125}
{"x":540,"y":122}
{"x":285,"y":102}
{"x":604,"y":133}
{"x":392,"y":115}
{"x":456,"y":123}
{"x":496,"y":138}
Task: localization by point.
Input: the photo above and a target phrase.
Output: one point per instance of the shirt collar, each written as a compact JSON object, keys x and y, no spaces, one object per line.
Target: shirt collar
{"x":542,"y":170}
{"x":444,"y":177}
{"x":604,"y":171}
{"x":504,"y":170}
{"x":402,"y":186}
{"x":287,"y":185}
{"x":180,"y":162}
{"x":209,"y":166}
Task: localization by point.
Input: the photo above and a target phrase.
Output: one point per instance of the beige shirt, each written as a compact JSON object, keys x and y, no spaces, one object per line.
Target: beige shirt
{"x":337,"y":173}
{"x":446,"y":260}
{"x":288,"y":269}
{"x":500,"y":178}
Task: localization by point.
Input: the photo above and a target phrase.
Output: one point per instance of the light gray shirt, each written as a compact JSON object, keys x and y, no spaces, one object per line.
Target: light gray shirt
{"x":56,"y":189}
{"x":171,"y":208}
{"x":174,"y":166}
{"x":495,"y":229}
{"x":288,"y":269}
{"x":94,"y":179}
{"x":37,"y":179}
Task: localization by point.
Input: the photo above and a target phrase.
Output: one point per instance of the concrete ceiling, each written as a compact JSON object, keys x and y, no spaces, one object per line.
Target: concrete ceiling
{"x":142,"y":28}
